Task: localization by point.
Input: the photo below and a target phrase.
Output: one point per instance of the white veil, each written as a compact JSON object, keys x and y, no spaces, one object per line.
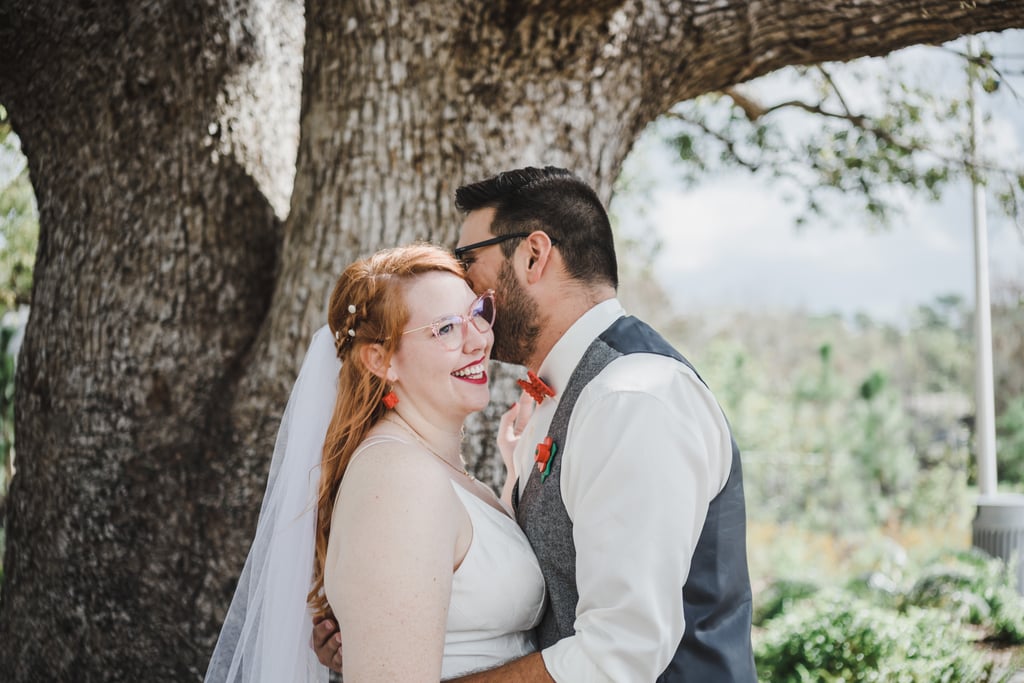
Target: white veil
{"x":266,"y":634}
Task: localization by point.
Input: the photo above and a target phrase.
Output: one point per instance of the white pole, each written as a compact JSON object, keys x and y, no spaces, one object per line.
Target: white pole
{"x":984,"y":401}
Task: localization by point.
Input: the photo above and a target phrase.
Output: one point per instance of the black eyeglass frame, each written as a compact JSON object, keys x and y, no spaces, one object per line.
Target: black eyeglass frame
{"x":462,"y":251}
{"x":459,"y":251}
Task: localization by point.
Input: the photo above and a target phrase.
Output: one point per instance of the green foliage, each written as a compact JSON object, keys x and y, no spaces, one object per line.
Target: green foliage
{"x":861,"y":134}
{"x":944,"y":353}
{"x":837,"y":637}
{"x":6,"y":427}
{"x":8,"y":328}
{"x":1010,"y":437}
{"x":848,"y":426}
{"x":854,"y":464}
{"x":7,"y":332}
{"x":975,"y":589}
{"x":878,"y":439}
{"x":872,"y":386}
{"x":19,"y":221}
{"x":878,"y":589}
{"x":780,"y":597}
{"x":19,"y":235}
{"x":891,"y":624}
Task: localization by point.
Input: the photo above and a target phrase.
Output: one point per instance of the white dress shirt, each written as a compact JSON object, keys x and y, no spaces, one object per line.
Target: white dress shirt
{"x":647,"y":449}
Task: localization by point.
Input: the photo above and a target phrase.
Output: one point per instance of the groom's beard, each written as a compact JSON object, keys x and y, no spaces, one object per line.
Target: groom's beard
{"x":517,"y":326}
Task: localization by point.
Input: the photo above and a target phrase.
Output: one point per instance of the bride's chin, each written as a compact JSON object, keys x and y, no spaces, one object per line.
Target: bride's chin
{"x":477,"y":406}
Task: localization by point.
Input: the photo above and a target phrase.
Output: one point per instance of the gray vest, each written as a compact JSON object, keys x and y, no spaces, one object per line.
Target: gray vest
{"x":716,"y":598}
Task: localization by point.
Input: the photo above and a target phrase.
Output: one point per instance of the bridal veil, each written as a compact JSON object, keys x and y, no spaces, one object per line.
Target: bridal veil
{"x":266,"y":634}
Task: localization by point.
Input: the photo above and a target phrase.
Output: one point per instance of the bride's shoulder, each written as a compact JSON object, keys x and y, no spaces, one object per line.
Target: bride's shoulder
{"x":392,"y":490}
{"x":393,"y":467}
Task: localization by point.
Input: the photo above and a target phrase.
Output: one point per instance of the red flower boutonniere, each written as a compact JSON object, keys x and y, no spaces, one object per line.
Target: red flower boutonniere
{"x":544,"y":455}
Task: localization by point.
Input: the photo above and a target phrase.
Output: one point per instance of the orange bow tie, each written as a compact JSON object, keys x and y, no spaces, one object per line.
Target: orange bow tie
{"x":535,"y":387}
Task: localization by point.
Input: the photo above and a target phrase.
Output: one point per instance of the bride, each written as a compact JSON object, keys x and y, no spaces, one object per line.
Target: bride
{"x":370,"y":513}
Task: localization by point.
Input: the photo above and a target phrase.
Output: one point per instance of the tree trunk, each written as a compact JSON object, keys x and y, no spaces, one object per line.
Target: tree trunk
{"x":171,"y":307}
{"x":158,"y":136}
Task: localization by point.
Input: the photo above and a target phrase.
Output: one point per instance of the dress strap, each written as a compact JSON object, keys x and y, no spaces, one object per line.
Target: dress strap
{"x":375,"y":441}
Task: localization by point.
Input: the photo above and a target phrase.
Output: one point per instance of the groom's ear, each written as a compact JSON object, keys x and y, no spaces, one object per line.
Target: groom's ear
{"x":538,"y":255}
{"x":375,"y":359}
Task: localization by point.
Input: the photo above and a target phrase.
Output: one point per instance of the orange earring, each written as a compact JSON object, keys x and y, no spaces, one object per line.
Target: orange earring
{"x":390,"y":400}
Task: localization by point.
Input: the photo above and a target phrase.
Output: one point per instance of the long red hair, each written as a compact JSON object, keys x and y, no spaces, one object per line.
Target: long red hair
{"x":374,"y":287}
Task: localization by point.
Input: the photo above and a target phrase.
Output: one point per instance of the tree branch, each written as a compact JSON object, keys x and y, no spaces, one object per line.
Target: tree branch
{"x":864,"y":123}
{"x":726,"y":142}
{"x":835,"y":89}
{"x":705,"y":47}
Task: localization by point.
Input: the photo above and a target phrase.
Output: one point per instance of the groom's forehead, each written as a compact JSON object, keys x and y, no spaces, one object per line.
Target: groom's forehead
{"x":476,"y":227}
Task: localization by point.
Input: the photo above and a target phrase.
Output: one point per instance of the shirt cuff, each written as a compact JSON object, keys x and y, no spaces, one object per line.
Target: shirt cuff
{"x":567,"y":663}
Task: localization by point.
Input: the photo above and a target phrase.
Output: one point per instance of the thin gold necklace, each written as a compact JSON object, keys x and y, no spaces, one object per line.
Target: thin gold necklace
{"x":423,"y":442}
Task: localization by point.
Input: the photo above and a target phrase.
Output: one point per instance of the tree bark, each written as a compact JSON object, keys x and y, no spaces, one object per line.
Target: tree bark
{"x":172,"y":306}
{"x":158,"y":137}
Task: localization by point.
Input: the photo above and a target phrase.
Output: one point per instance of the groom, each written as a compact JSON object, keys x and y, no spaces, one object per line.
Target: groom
{"x":630,"y":488}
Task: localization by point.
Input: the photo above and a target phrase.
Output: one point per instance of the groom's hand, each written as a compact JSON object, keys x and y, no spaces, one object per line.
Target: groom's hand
{"x":327,"y":642}
{"x":507,"y":438}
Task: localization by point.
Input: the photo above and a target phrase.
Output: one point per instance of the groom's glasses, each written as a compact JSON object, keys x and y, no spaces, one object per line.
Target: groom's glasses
{"x":466,"y":261}
{"x":460,"y":252}
{"x":451,"y":329}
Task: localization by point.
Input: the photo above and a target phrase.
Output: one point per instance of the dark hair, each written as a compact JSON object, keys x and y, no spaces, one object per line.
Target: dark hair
{"x":557,"y":202}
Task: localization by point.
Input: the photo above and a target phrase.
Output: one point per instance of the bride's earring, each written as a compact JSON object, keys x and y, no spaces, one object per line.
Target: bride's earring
{"x":390,"y":399}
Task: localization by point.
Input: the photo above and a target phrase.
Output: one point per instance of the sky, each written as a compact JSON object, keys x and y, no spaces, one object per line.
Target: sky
{"x":730,"y":243}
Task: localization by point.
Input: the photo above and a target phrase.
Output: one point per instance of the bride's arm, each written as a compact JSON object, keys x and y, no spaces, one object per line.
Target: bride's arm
{"x":394,"y":536}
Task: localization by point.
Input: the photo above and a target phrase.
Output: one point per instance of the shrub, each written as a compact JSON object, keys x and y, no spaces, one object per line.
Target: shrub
{"x":780,"y":597}
{"x":834,"y":636}
{"x":878,"y":589}
{"x":974,"y":588}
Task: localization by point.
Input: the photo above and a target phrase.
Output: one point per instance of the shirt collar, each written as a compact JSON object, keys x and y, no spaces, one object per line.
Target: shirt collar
{"x":565,"y":355}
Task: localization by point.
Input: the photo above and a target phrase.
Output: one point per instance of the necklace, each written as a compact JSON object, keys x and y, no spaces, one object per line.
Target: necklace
{"x":423,"y":442}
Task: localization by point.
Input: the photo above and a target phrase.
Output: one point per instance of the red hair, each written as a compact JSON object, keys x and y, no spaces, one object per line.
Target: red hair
{"x":374,"y":288}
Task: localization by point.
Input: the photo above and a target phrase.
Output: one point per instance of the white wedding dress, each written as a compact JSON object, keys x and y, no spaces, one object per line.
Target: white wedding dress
{"x":497,"y":591}
{"x":497,"y":594}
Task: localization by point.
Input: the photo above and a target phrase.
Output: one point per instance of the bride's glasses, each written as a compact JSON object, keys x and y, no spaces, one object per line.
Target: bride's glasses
{"x":451,"y":329}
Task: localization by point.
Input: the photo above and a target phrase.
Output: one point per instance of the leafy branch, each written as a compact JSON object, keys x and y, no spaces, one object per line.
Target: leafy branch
{"x":844,"y":149}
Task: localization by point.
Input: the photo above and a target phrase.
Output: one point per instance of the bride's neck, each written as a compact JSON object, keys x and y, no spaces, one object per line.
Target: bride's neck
{"x":445,"y":439}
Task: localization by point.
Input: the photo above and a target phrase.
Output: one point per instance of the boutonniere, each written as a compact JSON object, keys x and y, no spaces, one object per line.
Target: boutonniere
{"x":544,"y":455}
